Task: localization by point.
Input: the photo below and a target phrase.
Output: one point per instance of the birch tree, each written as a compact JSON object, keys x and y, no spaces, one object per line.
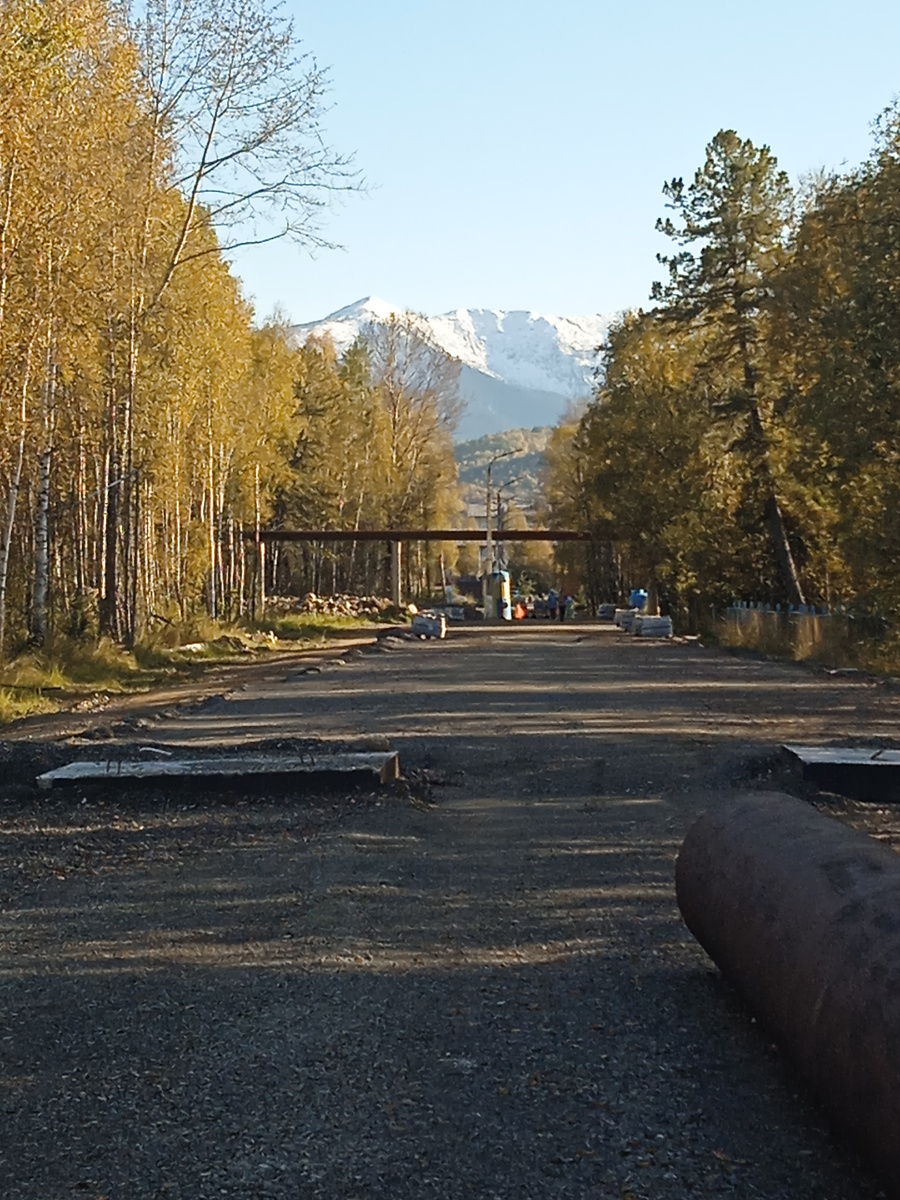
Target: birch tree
{"x":234,"y":131}
{"x":418,"y":384}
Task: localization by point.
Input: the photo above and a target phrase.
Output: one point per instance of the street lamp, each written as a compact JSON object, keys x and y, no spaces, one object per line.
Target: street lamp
{"x":489,"y":550}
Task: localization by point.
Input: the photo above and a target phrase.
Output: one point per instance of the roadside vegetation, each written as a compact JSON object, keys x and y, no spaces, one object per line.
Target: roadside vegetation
{"x":66,"y":673}
{"x":149,"y":427}
{"x":743,"y":441}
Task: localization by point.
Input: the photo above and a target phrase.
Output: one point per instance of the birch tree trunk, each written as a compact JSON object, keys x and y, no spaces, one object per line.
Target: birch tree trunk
{"x":211,"y":513}
{"x":41,"y":550}
{"x":109,"y":590}
{"x":260,"y":555}
{"x":42,"y":515}
{"x":12,"y":502}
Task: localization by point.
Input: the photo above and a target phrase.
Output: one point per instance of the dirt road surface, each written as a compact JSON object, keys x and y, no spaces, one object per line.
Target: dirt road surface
{"x":478,"y":986}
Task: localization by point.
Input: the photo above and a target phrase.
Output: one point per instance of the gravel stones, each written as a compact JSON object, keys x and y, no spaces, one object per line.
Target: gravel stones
{"x":476,"y":986}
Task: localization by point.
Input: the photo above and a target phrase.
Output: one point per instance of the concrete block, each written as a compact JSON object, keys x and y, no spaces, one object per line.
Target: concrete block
{"x":863,"y":773}
{"x":425,"y":626}
{"x":231,"y":770}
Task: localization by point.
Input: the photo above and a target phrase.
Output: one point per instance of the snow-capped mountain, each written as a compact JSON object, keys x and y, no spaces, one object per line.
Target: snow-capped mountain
{"x":518,"y":368}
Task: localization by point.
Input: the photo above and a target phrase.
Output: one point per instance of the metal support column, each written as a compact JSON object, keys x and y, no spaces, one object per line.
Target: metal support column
{"x":487,"y":599}
{"x":395,"y":573}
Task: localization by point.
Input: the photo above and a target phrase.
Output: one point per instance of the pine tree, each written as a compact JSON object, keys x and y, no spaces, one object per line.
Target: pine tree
{"x":731,"y":223}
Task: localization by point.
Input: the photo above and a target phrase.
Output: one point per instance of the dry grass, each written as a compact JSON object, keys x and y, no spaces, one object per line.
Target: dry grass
{"x":66,"y":669}
{"x":835,"y":641}
{"x":42,"y":681}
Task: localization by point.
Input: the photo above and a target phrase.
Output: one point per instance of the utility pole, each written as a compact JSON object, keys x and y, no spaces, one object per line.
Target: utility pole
{"x":489,"y":549}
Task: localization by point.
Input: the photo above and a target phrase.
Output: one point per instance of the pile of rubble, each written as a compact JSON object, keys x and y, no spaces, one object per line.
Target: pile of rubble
{"x":340,"y":605}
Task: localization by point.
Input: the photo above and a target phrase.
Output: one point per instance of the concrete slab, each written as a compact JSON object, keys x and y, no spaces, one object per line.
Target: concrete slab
{"x":380,"y":766}
{"x":647,"y":626}
{"x":860,"y":772}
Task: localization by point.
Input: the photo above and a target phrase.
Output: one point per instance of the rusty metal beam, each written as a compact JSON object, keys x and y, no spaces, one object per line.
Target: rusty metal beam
{"x":802,"y":915}
{"x":417,"y":535}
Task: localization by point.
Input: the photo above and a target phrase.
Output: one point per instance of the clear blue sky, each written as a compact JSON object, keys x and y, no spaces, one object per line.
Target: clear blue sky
{"x":515,"y":149}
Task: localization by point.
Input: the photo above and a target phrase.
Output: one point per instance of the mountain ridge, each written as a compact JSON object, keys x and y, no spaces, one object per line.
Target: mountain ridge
{"x":519,"y":368}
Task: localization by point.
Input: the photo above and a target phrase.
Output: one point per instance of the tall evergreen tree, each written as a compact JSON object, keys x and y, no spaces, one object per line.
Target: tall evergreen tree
{"x":730,"y":224}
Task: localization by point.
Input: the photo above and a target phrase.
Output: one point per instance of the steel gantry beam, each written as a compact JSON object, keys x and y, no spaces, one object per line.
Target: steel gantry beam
{"x":416,"y":535}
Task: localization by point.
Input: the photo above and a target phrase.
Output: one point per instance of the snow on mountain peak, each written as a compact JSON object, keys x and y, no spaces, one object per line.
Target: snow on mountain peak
{"x":370,"y":308}
{"x":526,"y":349}
{"x":538,"y":362}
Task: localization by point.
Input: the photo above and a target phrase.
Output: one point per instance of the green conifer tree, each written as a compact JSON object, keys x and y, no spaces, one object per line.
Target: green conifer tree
{"x":731,"y":224}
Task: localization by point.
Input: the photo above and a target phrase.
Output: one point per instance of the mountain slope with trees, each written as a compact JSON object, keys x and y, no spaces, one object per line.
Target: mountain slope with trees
{"x":520,"y":475}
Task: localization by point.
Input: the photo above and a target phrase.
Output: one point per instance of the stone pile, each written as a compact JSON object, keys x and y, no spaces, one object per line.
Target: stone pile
{"x":340,"y":605}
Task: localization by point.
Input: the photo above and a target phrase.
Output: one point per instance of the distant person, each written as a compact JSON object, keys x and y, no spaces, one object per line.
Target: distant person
{"x":570,"y":607}
{"x":563,"y":601}
{"x":552,"y":604}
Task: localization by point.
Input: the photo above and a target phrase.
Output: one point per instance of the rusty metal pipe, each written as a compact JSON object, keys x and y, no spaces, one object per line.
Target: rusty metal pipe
{"x":802,"y":915}
{"x":414,"y":535}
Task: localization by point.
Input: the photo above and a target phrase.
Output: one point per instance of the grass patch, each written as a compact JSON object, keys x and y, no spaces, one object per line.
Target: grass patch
{"x":64,"y":664}
{"x":837,"y":641}
{"x":45,"y":680}
{"x":26,"y":702}
{"x":67,"y":670}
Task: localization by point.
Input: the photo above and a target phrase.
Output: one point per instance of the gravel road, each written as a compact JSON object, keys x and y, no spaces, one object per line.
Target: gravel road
{"x":476,"y":985}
